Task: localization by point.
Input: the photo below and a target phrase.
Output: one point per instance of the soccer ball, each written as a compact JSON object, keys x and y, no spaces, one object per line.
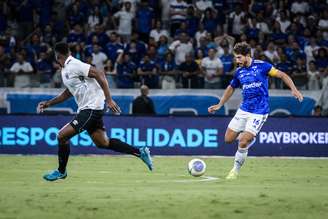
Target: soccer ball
{"x":196,"y":167}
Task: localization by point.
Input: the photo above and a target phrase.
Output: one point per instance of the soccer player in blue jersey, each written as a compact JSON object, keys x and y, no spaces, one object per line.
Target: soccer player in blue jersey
{"x":252,"y":77}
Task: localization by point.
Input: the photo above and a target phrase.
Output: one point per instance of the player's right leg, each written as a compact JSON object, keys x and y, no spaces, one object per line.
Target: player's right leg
{"x":63,"y":137}
{"x":230,"y":136}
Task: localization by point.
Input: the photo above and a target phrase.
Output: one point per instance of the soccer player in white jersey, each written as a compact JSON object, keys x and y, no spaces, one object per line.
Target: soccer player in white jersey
{"x":90,"y":90}
{"x":252,"y":77}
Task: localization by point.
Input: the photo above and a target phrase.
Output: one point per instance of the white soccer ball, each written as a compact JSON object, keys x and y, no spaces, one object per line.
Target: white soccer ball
{"x":196,"y":167}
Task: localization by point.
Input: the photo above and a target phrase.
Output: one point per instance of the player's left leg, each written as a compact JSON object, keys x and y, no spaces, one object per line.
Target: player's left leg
{"x":101,"y":140}
{"x":245,"y":141}
{"x":99,"y":137}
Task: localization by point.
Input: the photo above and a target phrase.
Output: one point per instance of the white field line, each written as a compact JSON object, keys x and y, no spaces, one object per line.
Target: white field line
{"x":202,"y":179}
{"x":189,"y":180}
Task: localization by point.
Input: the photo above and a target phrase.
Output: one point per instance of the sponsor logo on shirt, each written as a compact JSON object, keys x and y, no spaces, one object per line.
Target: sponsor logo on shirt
{"x":252,"y":85}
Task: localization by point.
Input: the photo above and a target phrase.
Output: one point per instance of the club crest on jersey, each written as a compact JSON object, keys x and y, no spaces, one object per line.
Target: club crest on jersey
{"x":66,"y":75}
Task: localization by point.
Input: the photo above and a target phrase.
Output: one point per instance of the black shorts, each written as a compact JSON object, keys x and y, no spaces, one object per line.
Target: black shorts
{"x":89,"y":120}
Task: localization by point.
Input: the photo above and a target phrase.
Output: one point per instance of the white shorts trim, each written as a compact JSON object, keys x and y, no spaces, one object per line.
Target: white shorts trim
{"x":245,"y":121}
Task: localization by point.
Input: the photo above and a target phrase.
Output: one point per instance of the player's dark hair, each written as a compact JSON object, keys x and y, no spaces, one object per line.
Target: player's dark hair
{"x":62,"y":48}
{"x":242,"y":48}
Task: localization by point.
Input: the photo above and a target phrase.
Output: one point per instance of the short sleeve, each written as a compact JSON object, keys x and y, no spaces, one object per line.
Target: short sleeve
{"x":104,"y":57}
{"x":29,"y":67}
{"x":235,"y":83}
{"x":152,"y":33}
{"x":83,"y":69}
{"x":173,"y":45}
{"x":273,"y":72}
{"x":266,"y":68}
{"x":14,"y":68}
{"x":117,"y":14}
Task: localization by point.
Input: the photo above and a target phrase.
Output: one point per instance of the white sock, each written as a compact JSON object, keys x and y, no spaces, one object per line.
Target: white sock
{"x":241,"y":154}
{"x":240,"y":158}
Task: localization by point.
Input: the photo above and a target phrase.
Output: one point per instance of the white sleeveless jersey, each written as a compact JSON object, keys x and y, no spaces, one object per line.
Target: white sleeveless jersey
{"x":86,"y":91}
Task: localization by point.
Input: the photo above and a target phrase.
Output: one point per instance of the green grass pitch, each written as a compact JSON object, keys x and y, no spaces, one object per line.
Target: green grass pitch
{"x":122,"y":188}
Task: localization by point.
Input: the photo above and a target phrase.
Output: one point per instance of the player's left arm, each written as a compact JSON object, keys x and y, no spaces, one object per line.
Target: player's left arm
{"x":288,"y":81}
{"x":102,"y":81}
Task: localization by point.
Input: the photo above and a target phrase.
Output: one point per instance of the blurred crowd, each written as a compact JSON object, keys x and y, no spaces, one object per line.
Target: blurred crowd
{"x":165,"y":44}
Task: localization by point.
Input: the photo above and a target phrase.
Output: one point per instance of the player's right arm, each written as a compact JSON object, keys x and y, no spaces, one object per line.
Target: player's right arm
{"x":56,"y":100}
{"x":226,"y":96}
{"x":235,"y":83}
